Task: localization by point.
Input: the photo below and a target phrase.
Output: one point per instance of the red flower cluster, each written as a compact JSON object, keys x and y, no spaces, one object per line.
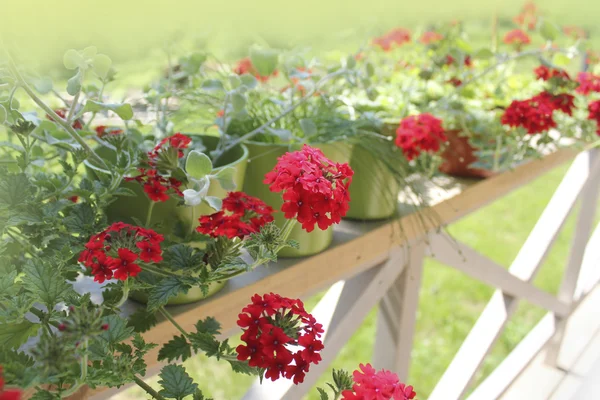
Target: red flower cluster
{"x":397,"y":37}
{"x":102,"y":130}
{"x":271,"y":325}
{"x":176,"y":141}
{"x":575,"y":32}
{"x":452,"y":61}
{"x":544,"y":73}
{"x":113,"y":252}
{"x":245,"y":66}
{"x":61,"y":112}
{"x":527,"y":17}
{"x":594,"y":113}
{"x":419,"y":133}
{"x":588,"y":83}
{"x":12,"y":394}
{"x":454,"y":81}
{"x":377,"y":385}
{"x":248,"y":215}
{"x":156,"y":186}
{"x":536,"y":114}
{"x":517,"y":38}
{"x":315,"y":188}
{"x":430,"y":37}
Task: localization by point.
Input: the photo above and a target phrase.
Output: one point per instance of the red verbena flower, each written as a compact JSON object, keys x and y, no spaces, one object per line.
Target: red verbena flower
{"x":563,"y":102}
{"x":594,"y":114}
{"x":176,"y":141}
{"x":588,"y":83}
{"x":114,"y":252}
{"x":544,"y":73}
{"x":74,"y":199}
{"x":61,"y":112}
{"x":8,"y":394}
{"x":279,"y":336}
{"x":575,"y":32}
{"x":535,"y":114}
{"x":420,"y":133}
{"x":430,"y":37}
{"x":397,"y":37}
{"x":102,"y":131}
{"x":517,"y":38}
{"x":247,"y":215}
{"x":315,"y":189}
{"x":454,"y":81}
{"x":370,"y":384}
{"x":245,"y":66}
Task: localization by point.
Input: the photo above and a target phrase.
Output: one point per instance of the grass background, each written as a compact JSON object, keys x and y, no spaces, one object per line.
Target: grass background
{"x":133,"y":33}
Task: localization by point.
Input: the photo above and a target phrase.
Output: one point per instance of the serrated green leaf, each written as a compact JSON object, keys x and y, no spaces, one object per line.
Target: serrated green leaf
{"x":101,"y":64}
{"x":242,"y":367}
{"x":225,"y":177}
{"x":323,"y":395}
{"x":41,"y":394}
{"x":264,"y":60}
{"x":215,"y":202}
{"x":81,"y":219}
{"x":14,"y":335}
{"x":74,"y":84}
{"x":182,"y":257}
{"x":175,"y":349}
{"x":118,"y":330}
{"x":176,"y":383}
{"x":122,"y":110}
{"x":141,"y":320}
{"x":164,"y":291}
{"x":122,"y":191}
{"x":15,"y":189}
{"x":45,"y":282}
{"x":198,"y":164}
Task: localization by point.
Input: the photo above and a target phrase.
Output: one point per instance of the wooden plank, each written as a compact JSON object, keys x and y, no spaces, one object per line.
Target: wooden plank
{"x":487,"y":271}
{"x":490,"y":324}
{"x":397,"y":318}
{"x":357,"y":247}
{"x":359,"y":295}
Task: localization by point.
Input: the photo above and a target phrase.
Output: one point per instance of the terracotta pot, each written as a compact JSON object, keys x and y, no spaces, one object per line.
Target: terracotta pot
{"x":458,"y":155}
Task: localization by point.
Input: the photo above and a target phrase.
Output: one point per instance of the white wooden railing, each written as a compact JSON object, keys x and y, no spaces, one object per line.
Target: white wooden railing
{"x":370,"y":265}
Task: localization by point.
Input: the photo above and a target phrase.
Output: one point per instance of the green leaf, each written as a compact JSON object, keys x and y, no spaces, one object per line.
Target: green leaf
{"x":164,"y":291}
{"x":121,"y":191}
{"x":72,"y":59}
{"x":176,"y":383}
{"x":238,"y":102}
{"x":122,"y":110}
{"x":89,"y":52}
{"x":249,"y":81}
{"x":323,"y":395}
{"x":484,"y":54}
{"x":43,"y":85}
{"x":242,"y":367}
{"x":549,"y":31}
{"x":182,"y":257}
{"x":199,"y":396}
{"x":45,"y":282}
{"x":101,"y":64}
{"x":15,"y":189}
{"x":198,"y":164}
{"x":141,"y":320}
{"x":234,"y":81}
{"x":308,"y":126}
{"x":215,"y":202}
{"x":174,"y":349}
{"x":212,"y":85}
{"x":14,"y":335}
{"x":2,"y":114}
{"x":464,"y":46}
{"x":561,"y":60}
{"x":370,"y":69}
{"x":118,"y":330}
{"x":225,"y":177}
{"x":264,"y":60}
{"x":350,"y":61}
{"x":81,"y":219}
{"x":42,"y":394}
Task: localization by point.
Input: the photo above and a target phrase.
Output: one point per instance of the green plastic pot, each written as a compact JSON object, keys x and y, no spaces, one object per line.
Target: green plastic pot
{"x":193,"y":295}
{"x":167,"y":214}
{"x":263,"y":157}
{"x":374,"y":191}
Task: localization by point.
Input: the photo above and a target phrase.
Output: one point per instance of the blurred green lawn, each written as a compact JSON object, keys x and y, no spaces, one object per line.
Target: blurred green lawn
{"x":450,"y":302}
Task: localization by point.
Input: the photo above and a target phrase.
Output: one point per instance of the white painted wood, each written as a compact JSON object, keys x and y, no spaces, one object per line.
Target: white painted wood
{"x":487,"y":271}
{"x":490,"y":324}
{"x":358,"y":296}
{"x":397,"y":317}
{"x":590,"y":390}
{"x":583,"y":230}
{"x":590,"y":270}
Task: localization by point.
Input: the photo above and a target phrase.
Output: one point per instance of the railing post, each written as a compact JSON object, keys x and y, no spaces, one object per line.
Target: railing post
{"x":397,"y":316}
{"x":583,"y":231}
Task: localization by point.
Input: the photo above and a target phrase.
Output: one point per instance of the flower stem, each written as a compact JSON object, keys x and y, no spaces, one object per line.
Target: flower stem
{"x":84,"y":368}
{"x":168,"y":316}
{"x":147,"y":388}
{"x":149,"y":215}
{"x":68,"y":128}
{"x":125,"y":294}
{"x":287,"y":229}
{"x":193,"y":212}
